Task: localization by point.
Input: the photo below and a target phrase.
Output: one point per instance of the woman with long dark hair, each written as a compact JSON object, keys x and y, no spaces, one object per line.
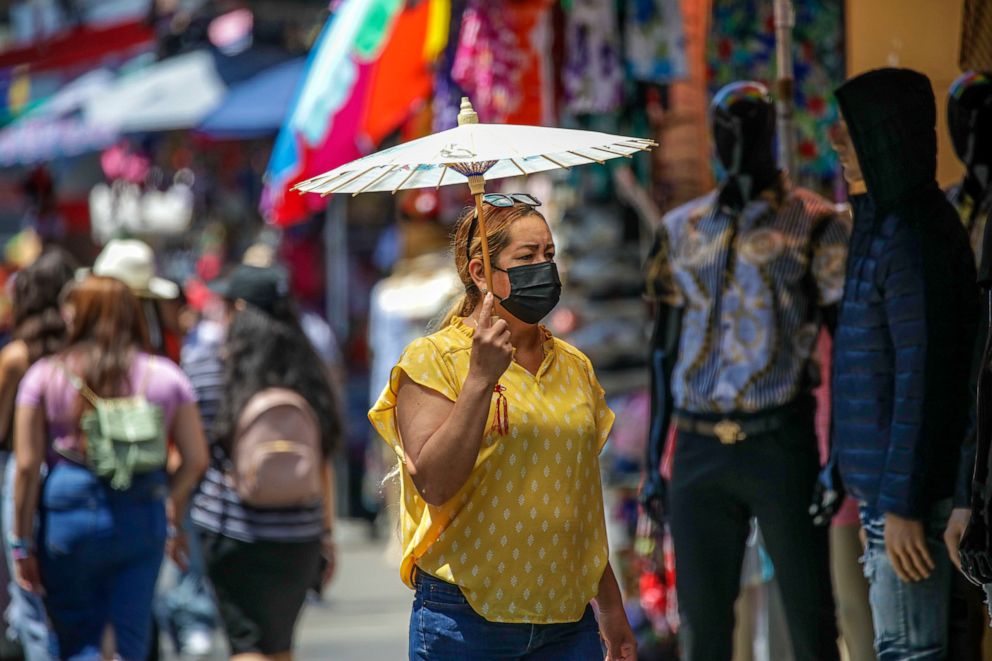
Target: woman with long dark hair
{"x":96,"y":553}
{"x":262,"y":559}
{"x":38,"y":331}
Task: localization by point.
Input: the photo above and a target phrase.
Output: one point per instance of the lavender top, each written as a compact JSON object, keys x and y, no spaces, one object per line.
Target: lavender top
{"x":45,"y":385}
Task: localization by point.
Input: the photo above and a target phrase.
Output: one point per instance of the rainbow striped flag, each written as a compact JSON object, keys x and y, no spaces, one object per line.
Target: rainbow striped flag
{"x":369,"y":69}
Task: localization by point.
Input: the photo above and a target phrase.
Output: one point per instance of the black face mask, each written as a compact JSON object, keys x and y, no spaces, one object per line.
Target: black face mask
{"x":534,"y":291}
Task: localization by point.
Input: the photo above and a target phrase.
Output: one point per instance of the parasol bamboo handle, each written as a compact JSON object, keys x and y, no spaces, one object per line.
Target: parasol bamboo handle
{"x":483,"y":237}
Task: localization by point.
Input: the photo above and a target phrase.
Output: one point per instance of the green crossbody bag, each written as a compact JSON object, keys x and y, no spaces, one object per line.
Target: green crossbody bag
{"x":125,"y":436}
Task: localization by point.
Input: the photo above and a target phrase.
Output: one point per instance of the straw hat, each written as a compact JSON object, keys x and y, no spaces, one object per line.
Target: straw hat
{"x":133,"y":263}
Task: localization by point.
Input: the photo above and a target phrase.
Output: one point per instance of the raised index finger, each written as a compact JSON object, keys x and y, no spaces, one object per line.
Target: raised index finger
{"x":486,"y":313}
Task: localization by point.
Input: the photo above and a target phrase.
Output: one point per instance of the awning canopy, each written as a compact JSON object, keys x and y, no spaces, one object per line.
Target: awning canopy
{"x":257,"y":106}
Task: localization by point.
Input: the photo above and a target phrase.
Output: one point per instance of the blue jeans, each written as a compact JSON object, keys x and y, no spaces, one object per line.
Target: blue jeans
{"x":26,"y":613}
{"x":444,"y":627}
{"x":911,"y":619}
{"x":188,"y":605}
{"x":99,"y":552}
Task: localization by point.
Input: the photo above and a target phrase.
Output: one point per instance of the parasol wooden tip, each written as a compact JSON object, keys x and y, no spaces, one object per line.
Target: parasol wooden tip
{"x":476,"y":184}
{"x":467,"y":114}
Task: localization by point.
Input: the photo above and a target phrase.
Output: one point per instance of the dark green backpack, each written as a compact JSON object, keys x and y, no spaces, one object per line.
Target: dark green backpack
{"x":125,"y":436}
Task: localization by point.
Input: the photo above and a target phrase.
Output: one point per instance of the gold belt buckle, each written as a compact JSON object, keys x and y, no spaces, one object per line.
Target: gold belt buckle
{"x":729,"y":432}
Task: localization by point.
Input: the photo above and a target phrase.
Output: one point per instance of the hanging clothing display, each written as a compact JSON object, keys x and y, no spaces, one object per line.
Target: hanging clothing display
{"x":447,"y":93}
{"x":592,"y":75}
{"x":742,"y":47}
{"x":656,"y":47}
{"x":500,"y":60}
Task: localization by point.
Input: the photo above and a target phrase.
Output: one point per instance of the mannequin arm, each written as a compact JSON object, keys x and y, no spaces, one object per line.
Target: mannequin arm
{"x":664,"y":351}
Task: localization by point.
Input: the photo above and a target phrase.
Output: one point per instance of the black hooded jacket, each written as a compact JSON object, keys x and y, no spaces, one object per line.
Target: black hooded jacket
{"x":903,"y":346}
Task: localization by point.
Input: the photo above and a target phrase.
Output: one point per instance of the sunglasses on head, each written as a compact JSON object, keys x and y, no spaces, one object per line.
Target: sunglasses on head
{"x":509,"y":199}
{"x":501,"y":200}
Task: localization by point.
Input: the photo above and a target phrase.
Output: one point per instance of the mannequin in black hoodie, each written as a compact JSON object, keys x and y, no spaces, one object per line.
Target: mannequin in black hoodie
{"x":970,"y":118}
{"x":902,"y":356}
{"x":969,"y":121}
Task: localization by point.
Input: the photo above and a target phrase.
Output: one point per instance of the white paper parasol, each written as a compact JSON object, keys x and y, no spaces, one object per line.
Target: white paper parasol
{"x":473,"y":153}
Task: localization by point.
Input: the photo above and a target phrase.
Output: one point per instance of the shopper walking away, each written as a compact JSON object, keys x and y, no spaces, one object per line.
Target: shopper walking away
{"x":902,"y":356}
{"x":266,"y":506}
{"x":498,"y":427}
{"x":97,"y":413}
{"x":39,"y":331}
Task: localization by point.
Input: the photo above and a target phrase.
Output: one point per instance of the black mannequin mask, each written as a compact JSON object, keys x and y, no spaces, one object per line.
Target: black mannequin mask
{"x":742,"y":118}
{"x":969,"y":118}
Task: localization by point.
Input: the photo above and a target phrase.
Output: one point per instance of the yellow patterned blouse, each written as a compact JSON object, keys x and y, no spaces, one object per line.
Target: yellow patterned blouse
{"x":525,"y":538}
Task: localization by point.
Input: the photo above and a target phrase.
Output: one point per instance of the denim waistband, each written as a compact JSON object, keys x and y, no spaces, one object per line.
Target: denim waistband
{"x":68,"y":485}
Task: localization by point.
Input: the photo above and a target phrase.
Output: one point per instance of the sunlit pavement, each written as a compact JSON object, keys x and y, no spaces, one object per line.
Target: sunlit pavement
{"x":365,"y":612}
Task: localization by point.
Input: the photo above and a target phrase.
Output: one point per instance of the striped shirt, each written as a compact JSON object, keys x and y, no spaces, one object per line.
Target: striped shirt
{"x":751,"y":285}
{"x":216,"y":506}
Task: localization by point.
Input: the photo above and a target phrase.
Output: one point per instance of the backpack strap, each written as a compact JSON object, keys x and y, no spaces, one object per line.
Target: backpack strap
{"x":76,"y":382}
{"x":146,"y":377}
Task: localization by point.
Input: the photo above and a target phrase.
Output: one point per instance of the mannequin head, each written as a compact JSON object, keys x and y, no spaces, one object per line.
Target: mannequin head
{"x":969,"y":118}
{"x":742,"y":117}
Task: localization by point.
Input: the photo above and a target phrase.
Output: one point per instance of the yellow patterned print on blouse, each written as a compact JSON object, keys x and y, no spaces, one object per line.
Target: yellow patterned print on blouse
{"x":525,"y":538}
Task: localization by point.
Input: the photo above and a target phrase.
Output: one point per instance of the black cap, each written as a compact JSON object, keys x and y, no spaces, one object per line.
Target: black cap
{"x":258,"y":286}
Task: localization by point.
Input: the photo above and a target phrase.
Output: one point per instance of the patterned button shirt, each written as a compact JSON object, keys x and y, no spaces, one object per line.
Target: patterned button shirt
{"x":751,"y":286}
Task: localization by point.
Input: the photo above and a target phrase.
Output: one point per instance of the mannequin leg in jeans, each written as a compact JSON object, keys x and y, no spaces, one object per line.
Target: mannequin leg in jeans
{"x":910,"y":618}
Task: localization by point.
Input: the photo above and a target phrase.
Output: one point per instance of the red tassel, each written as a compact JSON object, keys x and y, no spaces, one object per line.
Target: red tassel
{"x":501,"y":420}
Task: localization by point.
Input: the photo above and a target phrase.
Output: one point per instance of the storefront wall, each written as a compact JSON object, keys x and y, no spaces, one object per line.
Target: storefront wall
{"x":924,"y":35}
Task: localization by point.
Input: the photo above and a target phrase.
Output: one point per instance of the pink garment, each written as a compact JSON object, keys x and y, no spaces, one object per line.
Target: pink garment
{"x":848,"y":514}
{"x":501,"y":60}
{"x":822,"y":394}
{"x":45,"y":385}
{"x":489,"y":62}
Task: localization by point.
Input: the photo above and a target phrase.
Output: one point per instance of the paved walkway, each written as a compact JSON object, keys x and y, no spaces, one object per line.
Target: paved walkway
{"x":365,"y":612}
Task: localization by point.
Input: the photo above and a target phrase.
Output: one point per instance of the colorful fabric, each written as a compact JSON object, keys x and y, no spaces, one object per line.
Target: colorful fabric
{"x":525,"y":537}
{"x":447,"y":93}
{"x":348,"y":100}
{"x":742,"y":47}
{"x":656,"y":48}
{"x":592,"y":75}
{"x":750,"y":325}
{"x":501,"y":60}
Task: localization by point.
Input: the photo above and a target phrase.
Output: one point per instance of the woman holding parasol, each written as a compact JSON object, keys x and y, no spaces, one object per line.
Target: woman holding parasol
{"x":498,"y":426}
